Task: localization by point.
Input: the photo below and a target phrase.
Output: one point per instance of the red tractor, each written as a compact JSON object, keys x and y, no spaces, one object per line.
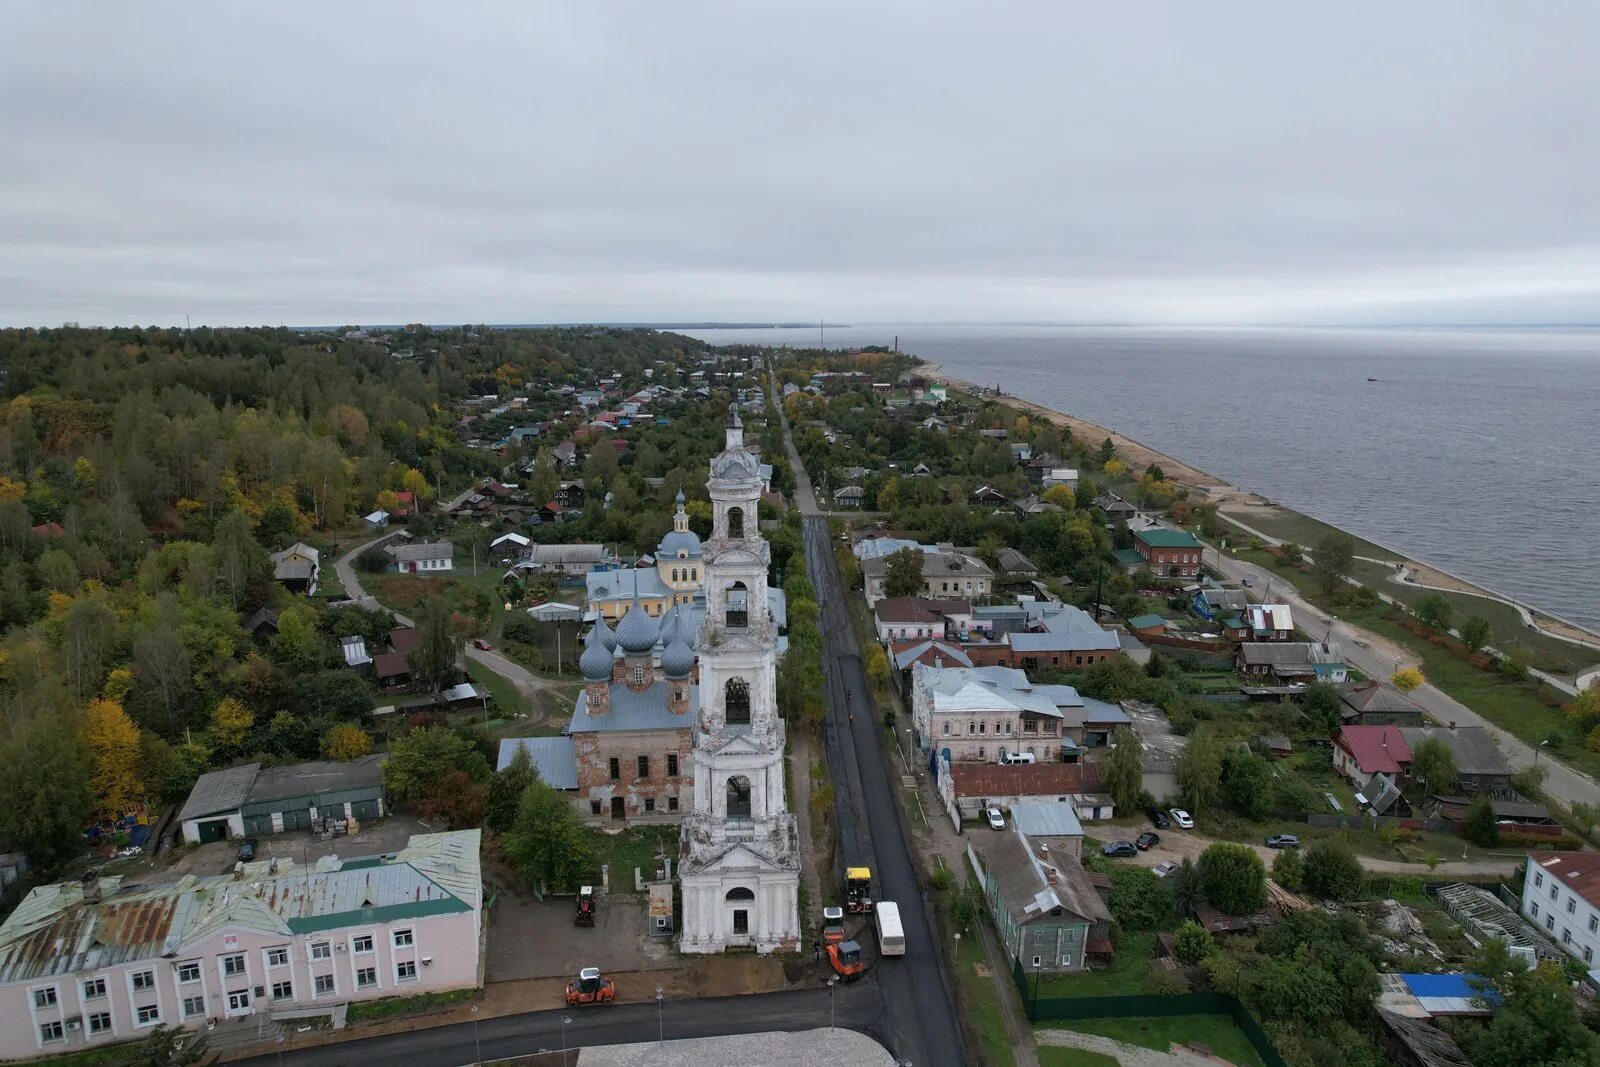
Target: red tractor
{"x":590,"y":988}
{"x":845,"y":956}
{"x":586,"y":907}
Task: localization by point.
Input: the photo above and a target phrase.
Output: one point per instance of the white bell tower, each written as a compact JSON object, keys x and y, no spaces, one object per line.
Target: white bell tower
{"x":740,"y":870}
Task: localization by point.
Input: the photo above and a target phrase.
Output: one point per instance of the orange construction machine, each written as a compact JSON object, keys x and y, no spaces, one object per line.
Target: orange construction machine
{"x":591,"y":988}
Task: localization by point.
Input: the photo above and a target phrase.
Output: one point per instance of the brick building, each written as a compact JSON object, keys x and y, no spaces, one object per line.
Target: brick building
{"x":1170,"y":553}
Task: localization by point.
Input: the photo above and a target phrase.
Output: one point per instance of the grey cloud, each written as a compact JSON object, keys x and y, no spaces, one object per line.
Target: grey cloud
{"x":1049,"y":162}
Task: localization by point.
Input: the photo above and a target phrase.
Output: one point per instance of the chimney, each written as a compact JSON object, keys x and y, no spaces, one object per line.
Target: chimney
{"x":90,"y":885}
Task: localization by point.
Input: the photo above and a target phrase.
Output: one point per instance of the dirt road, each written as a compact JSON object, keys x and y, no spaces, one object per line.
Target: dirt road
{"x":1178,"y":845}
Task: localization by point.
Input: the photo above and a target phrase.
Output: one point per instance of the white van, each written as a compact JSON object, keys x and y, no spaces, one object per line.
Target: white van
{"x":1017,"y":757}
{"x":891,"y":935}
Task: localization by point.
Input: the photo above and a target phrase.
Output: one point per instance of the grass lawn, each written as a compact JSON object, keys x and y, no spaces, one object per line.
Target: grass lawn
{"x":635,"y":847}
{"x":1302,"y":529}
{"x":1216,"y":1032}
{"x":505,"y":694}
{"x":1125,"y":975}
{"x":390,"y":1007}
{"x":981,"y":1004}
{"x":1055,"y":1056}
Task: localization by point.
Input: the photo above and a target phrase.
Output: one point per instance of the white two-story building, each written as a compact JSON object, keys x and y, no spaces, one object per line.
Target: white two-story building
{"x":95,"y":962}
{"x":1561,"y":895}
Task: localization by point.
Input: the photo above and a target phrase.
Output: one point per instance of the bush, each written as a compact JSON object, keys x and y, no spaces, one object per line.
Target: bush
{"x":1534,"y":842}
{"x":1234,"y":878}
{"x":1331,"y":870}
{"x":374,"y":561}
{"x":1482,"y":829}
{"x":1192,"y":943}
{"x":521,"y":628}
{"x":1288,"y":870}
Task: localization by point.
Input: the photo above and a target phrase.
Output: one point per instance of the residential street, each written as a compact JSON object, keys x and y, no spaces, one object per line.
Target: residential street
{"x":1379,"y":659}
{"x":1189,"y":844}
{"x":856,"y":1007}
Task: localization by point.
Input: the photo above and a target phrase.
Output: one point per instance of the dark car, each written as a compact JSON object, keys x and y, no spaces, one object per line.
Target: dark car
{"x":1146,"y":839}
{"x":1160,"y":819}
{"x":1118,"y":848}
{"x":247,"y":851}
{"x":1283,"y":841}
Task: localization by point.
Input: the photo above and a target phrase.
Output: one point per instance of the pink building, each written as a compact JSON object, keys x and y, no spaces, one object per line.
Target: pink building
{"x":93,"y":963}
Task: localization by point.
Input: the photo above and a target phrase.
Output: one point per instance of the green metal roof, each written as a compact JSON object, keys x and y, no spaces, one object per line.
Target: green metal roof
{"x":1144,"y":622}
{"x":413,"y":910}
{"x":1127,"y":555}
{"x":1161,"y":537}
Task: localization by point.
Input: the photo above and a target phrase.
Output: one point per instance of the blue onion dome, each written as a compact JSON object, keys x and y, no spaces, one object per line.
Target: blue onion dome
{"x":607,"y":638}
{"x":679,"y":499}
{"x":677,"y":659}
{"x":595,"y":663}
{"x":636,"y":633}
{"x":679,"y":544}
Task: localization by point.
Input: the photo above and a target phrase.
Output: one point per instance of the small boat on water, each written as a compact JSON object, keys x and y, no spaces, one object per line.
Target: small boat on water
{"x":1372,"y":379}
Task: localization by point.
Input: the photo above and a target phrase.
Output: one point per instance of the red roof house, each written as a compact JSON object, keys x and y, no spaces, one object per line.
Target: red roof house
{"x":1359,"y":752}
{"x":50,"y":529}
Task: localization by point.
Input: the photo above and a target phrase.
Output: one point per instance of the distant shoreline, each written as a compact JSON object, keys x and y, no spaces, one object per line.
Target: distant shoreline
{"x":1216,"y":490}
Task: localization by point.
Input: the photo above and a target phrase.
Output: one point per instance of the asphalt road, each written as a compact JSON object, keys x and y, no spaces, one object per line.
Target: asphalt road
{"x":1378,"y":658}
{"x":854,"y":1007}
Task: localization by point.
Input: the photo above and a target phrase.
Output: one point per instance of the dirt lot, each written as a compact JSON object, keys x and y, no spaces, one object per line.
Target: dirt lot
{"x":533,"y":939}
{"x":385,"y":835}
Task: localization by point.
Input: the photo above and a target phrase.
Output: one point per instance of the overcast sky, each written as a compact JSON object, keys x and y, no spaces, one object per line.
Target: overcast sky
{"x":1053,"y":162}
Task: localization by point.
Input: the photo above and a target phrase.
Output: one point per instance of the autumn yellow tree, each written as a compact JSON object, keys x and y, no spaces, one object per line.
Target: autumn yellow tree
{"x":230,"y":726}
{"x":118,"y":682}
{"x":1115,"y":468}
{"x":1406,"y":680}
{"x":414,"y":481}
{"x":11,"y":489}
{"x":114,"y":749}
{"x":346,"y":742}
{"x":1059,"y":495}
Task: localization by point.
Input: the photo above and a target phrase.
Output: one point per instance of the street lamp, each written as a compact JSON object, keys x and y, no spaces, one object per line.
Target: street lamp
{"x":661,"y":1020}
{"x":833,"y":980}
{"x":476,"y":1043}
{"x":280,"y":1039}
{"x":565,"y":1019}
{"x":1536,"y":752}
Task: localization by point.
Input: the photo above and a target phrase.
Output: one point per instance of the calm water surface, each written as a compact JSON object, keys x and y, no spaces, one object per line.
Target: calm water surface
{"x":1476,"y":450}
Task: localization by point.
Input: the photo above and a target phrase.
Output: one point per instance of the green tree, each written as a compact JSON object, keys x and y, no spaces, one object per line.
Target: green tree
{"x":506,"y":790}
{"x":419,"y":759}
{"x":544,"y":479}
{"x":1185,"y":888}
{"x":1586,"y":816}
{"x":902,"y":575}
{"x":1332,"y":870}
{"x":1122,"y":769}
{"x":1537,"y":1022}
{"x":1433,"y":764}
{"x":1287,"y":870}
{"x":1247,"y":782}
{"x":1320,"y":701}
{"x":548,"y":845}
{"x":1199,"y":770}
{"x":1476,"y":633}
{"x":45,"y":796}
{"x":1434,"y":611}
{"x":434,"y":662}
{"x":1234,"y":878}
{"x":878,"y":666}
{"x":1192,"y":942}
{"x":230,"y":727}
{"x":1482,"y":828}
{"x":1335,"y":553}
{"x":298,"y":646}
{"x":600,"y":468}
{"x":241,"y":564}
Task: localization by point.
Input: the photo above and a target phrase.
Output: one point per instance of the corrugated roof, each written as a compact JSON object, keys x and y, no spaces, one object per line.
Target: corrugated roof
{"x":218,"y":792}
{"x":318,"y":776}
{"x":355,"y":651}
{"x":1375,"y":748}
{"x":1041,"y":819}
{"x":1451,"y":994}
{"x":428,"y":551}
{"x":1031,"y":887}
{"x":1023,"y":779}
{"x":1161,"y":537}
{"x":645,"y":709}
{"x":1473,"y":747}
{"x":555,"y":758}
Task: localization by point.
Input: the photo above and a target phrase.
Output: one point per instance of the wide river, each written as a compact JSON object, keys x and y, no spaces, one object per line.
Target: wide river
{"x":1475,"y":450}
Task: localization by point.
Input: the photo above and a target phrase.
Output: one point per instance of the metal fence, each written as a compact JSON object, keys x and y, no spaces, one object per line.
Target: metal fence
{"x":1139,"y":1006}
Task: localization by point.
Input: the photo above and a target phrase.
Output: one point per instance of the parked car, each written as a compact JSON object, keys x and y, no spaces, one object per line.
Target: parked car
{"x":247,"y":850}
{"x":1145,"y":840}
{"x":1283,"y":841}
{"x":1181,"y":819}
{"x":481,"y":645}
{"x":1164,"y":868}
{"x":1118,"y":848}
{"x":1159,"y":818}
{"x":1246,"y":582}
{"x":996,"y":820}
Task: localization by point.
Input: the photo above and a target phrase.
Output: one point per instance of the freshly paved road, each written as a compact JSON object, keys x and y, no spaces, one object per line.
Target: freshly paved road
{"x":526,"y":682}
{"x":1378,"y":658}
{"x":919,"y":1020}
{"x":854,"y":1007}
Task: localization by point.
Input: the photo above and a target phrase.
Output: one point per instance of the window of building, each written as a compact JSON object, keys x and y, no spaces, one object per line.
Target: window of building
{"x":1572,"y":906}
{"x":232,"y":965}
{"x":406,"y":971}
{"x":1566,"y":936}
{"x":144,"y":980}
{"x":193,"y":1006}
{"x":983,"y":728}
{"x":44,"y":998}
{"x":403,"y":939}
{"x":189,"y":971}
{"x":643,"y":766}
{"x":51,"y":1032}
{"x":361,"y":943}
{"x":366,"y":976}
{"x":615,"y":768}
{"x":1549,"y":922}
{"x":672,"y":764}
{"x":100,"y":1022}
{"x":1594,"y":923}
{"x":1588,"y":955}
{"x":277,"y":957}
{"x":149,"y":1015}
{"x":981,"y":753}
{"x":1538,"y":880}
{"x":321,"y":950}
{"x":1555,"y":891}
{"x":947,"y":728}
{"x":594,"y":807}
{"x":94,"y":989}
{"x":649,"y":804}
{"x":736,"y":702}
{"x":1535,"y":909}
{"x":672,"y":803}
{"x":1038,"y":960}
{"x":282,"y":990}
{"x":324,"y":985}
{"x":972,"y":728}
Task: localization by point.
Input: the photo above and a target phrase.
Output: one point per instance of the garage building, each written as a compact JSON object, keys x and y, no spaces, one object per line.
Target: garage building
{"x":252,"y":801}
